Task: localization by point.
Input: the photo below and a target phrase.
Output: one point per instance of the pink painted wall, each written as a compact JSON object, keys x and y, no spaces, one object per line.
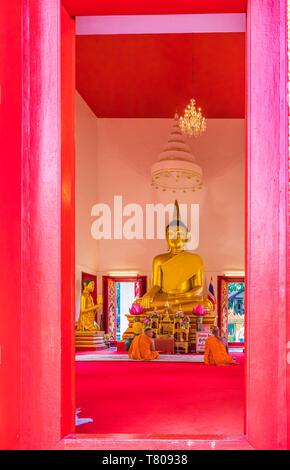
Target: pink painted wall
{"x":40,"y":379}
{"x":41,"y":256}
{"x":36,"y":364}
{"x":10,"y":216}
{"x":67,"y":26}
{"x":267,"y":389}
{"x":114,"y":157}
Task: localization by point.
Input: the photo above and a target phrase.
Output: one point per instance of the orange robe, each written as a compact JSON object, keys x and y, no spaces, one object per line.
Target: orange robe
{"x":216,"y":354}
{"x":140,"y":349}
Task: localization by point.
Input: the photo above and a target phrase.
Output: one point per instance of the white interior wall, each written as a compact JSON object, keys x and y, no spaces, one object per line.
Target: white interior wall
{"x":87,"y":249}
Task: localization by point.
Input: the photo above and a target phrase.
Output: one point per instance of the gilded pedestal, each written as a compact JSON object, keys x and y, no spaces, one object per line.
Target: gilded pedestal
{"x":88,"y":340}
{"x":208,"y":320}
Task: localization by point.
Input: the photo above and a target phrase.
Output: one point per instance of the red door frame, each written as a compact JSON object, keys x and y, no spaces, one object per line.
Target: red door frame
{"x":219,"y":306}
{"x":39,"y":359}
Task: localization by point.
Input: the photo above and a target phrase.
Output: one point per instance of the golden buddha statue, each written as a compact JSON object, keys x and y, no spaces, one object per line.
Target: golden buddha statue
{"x":86,"y":321}
{"x":177,"y":275}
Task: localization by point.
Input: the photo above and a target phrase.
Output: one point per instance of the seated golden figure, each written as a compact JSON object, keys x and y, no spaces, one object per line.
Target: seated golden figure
{"x":86,"y":321}
{"x":177,"y":275}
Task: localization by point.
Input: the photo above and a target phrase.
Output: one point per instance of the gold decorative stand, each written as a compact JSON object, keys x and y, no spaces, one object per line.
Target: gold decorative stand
{"x":159,"y":326}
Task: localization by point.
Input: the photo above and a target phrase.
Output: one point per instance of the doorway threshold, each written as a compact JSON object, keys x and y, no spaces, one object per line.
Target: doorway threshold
{"x":153,"y":442}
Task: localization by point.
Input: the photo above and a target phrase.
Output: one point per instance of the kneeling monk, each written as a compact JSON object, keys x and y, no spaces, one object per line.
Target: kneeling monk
{"x":215,"y":351}
{"x":142,"y":347}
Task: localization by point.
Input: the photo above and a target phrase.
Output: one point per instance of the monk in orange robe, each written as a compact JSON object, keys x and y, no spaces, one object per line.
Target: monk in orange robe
{"x":142,"y":347}
{"x":216,"y":351}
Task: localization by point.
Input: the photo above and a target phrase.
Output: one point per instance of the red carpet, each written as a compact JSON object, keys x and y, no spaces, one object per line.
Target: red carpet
{"x":160,"y":398}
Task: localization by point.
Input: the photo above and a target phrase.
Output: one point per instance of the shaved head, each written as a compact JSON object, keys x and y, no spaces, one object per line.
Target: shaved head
{"x":148,"y":332}
{"x":216,"y":331}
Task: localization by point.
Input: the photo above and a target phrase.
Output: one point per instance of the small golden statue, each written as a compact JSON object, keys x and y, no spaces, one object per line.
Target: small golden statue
{"x":177,"y":275}
{"x":86,"y":321}
{"x":165,"y":326}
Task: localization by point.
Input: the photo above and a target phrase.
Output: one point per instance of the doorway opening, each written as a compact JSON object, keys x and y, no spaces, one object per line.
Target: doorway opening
{"x":231,"y":309}
{"x":109,"y":140}
{"x":119,"y":293}
{"x":126,"y":293}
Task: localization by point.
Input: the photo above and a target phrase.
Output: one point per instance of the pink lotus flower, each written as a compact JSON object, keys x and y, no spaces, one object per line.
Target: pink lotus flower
{"x":179,"y":314}
{"x":185,"y":323}
{"x":199,"y":310}
{"x":136,"y":309}
{"x":155,"y":314}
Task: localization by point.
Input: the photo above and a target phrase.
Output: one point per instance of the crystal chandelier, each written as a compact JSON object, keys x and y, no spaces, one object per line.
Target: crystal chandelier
{"x":192,"y":122}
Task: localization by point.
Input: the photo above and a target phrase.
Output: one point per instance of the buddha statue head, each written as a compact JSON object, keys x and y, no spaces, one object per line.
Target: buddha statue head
{"x":177,"y":233}
{"x":88,"y":285}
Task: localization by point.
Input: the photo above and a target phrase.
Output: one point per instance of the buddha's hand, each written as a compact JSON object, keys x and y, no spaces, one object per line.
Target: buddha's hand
{"x":146,"y":300}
